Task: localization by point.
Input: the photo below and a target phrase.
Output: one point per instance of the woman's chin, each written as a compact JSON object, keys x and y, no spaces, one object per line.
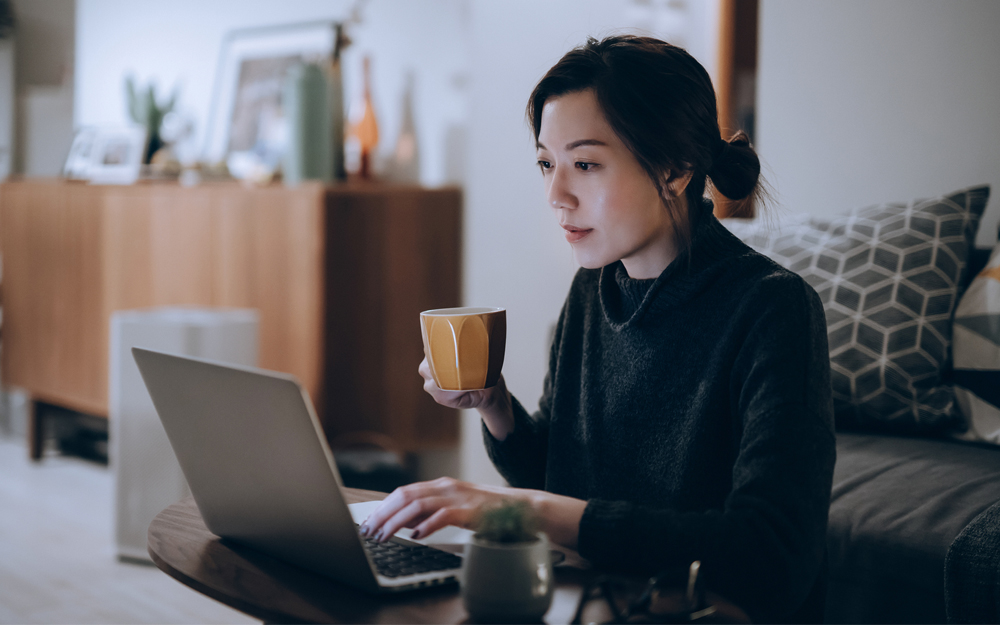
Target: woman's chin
{"x":588,"y":261}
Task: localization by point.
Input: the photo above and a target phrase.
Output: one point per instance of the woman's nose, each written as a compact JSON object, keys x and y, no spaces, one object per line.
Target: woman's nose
{"x":559,"y":193}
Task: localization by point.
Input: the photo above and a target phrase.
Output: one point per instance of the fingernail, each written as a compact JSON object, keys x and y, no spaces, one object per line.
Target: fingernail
{"x":365,"y":529}
{"x":378,"y":536}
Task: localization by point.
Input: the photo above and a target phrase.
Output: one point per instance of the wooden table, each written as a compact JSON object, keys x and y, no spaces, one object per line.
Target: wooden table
{"x":276,"y":592}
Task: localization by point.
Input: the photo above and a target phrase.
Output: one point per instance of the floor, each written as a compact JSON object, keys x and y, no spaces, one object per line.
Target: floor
{"x":57,"y":560}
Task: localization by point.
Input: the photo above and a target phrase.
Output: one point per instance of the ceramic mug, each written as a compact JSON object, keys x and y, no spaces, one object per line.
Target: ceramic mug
{"x":464,"y":346}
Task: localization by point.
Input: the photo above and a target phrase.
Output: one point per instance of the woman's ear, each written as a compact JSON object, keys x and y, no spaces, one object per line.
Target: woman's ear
{"x":677,"y":181}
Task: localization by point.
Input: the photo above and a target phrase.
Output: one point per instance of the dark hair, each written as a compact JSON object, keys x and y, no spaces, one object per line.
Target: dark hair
{"x":659,"y":100}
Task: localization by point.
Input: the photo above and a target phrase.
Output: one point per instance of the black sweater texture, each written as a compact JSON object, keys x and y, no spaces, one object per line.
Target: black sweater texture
{"x":693,"y":413}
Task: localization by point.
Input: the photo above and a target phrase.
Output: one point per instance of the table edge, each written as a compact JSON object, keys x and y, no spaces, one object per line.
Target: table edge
{"x":351,"y":495}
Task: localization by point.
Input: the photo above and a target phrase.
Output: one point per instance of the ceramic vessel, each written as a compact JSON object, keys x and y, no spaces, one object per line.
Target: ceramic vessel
{"x":507,"y":582}
{"x":306,"y":101}
{"x":464,"y":346}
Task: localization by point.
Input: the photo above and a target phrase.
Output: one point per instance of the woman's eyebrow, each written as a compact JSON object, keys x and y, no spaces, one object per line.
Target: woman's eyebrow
{"x":573,"y":144}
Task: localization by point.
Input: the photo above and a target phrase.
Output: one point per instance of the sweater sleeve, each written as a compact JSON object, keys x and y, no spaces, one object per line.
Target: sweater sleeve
{"x":764,"y":549}
{"x":521,"y":458}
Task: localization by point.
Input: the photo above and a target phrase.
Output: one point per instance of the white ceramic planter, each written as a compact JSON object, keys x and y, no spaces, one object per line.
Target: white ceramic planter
{"x":507,"y":582}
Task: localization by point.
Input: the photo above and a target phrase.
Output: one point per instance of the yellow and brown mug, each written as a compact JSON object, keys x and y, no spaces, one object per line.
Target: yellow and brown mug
{"x":464,"y":346}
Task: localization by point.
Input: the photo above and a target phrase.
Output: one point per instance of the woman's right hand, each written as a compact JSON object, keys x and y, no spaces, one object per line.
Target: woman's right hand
{"x":493,"y":403}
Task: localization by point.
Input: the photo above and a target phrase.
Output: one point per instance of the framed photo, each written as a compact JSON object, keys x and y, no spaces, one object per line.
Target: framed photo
{"x":246,"y":126}
{"x":77,"y":166}
{"x":116,"y":155}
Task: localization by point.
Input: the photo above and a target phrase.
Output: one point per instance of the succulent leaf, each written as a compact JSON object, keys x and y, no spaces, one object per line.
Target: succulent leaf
{"x":133,"y":100}
{"x":508,"y":522}
{"x":143,"y":107}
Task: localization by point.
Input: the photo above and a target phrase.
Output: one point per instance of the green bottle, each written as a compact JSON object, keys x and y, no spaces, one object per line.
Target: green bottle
{"x":306,"y":100}
{"x":337,"y":120}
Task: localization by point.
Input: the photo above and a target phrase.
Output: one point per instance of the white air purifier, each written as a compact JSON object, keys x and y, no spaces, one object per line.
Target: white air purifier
{"x":147,"y":476}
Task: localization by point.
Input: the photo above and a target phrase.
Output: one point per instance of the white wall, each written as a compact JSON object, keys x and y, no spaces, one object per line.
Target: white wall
{"x":863,"y":101}
{"x":177,"y":44}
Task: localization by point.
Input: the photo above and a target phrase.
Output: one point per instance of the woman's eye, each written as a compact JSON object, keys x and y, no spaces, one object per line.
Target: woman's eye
{"x":586,"y":166}
{"x":544,"y":165}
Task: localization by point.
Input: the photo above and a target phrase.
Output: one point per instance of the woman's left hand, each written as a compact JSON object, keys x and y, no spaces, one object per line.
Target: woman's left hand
{"x":429,"y":506}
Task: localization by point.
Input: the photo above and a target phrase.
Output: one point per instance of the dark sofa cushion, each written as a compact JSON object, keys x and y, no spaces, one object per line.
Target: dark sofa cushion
{"x":897,"y":505}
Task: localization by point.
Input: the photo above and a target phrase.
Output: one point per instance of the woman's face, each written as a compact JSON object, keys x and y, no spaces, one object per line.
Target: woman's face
{"x":604,"y":200}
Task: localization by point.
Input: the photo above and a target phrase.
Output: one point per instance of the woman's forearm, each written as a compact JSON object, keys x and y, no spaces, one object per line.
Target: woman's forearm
{"x":560,"y":516}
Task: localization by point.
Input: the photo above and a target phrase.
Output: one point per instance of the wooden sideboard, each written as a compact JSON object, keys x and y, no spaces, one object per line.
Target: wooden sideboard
{"x":338,"y":275}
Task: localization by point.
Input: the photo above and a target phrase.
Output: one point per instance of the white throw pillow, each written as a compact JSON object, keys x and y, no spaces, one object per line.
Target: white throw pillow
{"x":976,"y":354}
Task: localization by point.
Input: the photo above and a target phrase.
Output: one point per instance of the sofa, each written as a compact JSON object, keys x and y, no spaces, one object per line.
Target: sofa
{"x":914,"y":525}
{"x":899,"y":503}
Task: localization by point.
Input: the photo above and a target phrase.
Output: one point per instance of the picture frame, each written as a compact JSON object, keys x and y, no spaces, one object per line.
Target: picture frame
{"x":246,"y":124}
{"x":116,"y":155}
{"x":78,"y":160}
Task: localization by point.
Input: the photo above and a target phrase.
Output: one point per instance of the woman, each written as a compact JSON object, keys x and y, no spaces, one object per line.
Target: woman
{"x":686,"y":413}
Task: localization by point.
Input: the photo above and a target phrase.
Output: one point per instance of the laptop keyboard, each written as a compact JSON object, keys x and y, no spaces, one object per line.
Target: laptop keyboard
{"x":394,"y":559}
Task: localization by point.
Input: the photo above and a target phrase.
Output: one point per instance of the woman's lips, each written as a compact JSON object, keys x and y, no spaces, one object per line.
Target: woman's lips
{"x":574,"y":234}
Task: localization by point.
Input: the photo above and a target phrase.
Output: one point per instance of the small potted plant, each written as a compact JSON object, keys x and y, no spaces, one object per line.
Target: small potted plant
{"x":146,"y":111}
{"x":507,"y":573}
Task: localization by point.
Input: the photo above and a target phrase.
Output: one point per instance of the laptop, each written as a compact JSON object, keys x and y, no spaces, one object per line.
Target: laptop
{"x":259,"y":468}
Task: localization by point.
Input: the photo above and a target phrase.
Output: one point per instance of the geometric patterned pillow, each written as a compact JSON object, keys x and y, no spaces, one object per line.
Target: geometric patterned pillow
{"x":889,"y":277}
{"x":977,"y":354}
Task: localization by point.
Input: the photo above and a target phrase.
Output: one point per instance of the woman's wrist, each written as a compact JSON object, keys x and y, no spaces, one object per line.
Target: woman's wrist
{"x":498,"y":414}
{"x":559,"y":515}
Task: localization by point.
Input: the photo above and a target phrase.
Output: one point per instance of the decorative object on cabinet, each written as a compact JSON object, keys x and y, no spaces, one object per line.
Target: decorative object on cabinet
{"x":116,"y":157}
{"x":306,"y":103}
{"x":335,"y":79}
{"x":362,"y":133}
{"x":81,"y":153}
{"x":405,"y":164}
{"x":145,"y":110}
{"x":246,"y":120}
{"x":176,"y":131}
{"x":338,"y":275}
{"x":106,"y":155}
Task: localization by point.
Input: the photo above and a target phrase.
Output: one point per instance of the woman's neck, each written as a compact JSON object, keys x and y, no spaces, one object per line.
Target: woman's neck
{"x":661,"y":249}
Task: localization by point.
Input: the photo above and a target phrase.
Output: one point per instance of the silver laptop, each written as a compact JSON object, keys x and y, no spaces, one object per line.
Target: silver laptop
{"x":262,"y":474}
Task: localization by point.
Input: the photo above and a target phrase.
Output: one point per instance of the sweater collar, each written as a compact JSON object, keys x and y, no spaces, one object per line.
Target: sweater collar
{"x":625,"y":301}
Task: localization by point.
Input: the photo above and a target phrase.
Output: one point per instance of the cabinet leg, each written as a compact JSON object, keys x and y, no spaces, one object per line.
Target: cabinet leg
{"x":36,"y":431}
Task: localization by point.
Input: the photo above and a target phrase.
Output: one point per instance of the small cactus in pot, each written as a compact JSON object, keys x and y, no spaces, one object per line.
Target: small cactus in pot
{"x":507,"y":573}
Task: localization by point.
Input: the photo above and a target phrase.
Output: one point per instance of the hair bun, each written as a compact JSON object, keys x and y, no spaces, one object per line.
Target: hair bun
{"x":735,"y":167}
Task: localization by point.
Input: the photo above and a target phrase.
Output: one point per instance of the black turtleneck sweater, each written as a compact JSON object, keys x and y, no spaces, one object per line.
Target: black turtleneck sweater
{"x":693,"y":414}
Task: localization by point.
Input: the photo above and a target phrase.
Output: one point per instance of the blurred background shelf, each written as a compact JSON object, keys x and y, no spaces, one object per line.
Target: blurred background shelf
{"x":338,"y":274}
